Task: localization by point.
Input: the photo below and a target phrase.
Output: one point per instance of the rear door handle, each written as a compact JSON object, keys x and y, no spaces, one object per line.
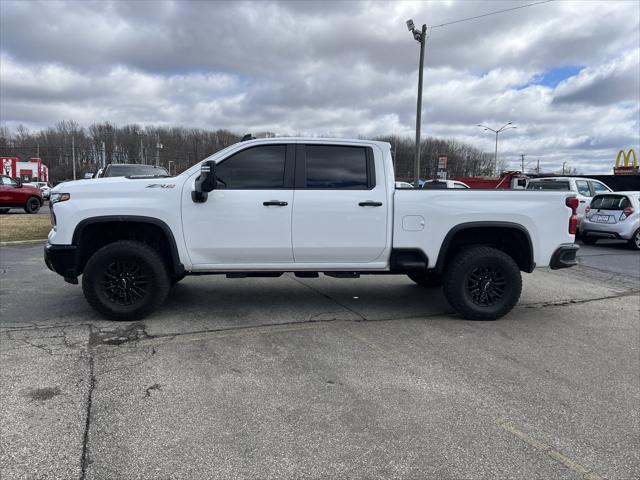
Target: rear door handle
{"x":369,"y":203}
{"x":275,"y":203}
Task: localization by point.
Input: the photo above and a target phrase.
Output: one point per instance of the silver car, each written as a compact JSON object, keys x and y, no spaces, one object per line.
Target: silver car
{"x":612,"y":215}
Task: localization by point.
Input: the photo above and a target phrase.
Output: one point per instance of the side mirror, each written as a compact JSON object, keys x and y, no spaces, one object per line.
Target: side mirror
{"x":205,"y":183}
{"x":19,"y":182}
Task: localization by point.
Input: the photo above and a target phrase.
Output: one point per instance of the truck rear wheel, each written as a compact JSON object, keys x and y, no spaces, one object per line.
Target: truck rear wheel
{"x":482,"y":283}
{"x":32,"y":205}
{"x":125,"y":280}
{"x":427,"y":280}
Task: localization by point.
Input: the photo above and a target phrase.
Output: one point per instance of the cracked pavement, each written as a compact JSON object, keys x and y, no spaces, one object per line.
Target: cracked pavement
{"x":293,"y":377}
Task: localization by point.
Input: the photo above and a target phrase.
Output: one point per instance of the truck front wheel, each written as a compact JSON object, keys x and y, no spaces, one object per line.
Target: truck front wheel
{"x":125,"y":280}
{"x":482,"y":283}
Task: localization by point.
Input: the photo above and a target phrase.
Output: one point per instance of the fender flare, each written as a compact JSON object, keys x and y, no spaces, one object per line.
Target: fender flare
{"x":439,"y":267}
{"x":176,"y":265}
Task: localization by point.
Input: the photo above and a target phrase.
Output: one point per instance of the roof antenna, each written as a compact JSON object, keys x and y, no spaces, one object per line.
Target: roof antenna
{"x":248,"y":136}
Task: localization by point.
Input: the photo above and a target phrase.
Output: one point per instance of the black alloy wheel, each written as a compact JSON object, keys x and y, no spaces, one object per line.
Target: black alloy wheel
{"x":125,"y":280}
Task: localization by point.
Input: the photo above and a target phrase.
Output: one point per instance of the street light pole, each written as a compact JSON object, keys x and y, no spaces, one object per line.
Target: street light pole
{"x":420,"y":36}
{"x":506,"y":126}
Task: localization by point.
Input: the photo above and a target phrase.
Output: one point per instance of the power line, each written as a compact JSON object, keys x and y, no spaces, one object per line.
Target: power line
{"x":489,"y":14}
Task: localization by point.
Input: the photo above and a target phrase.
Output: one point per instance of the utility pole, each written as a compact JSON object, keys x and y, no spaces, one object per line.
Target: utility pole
{"x":522,"y":155}
{"x":104,"y":156}
{"x":158,"y":148}
{"x":420,"y":37}
{"x":538,"y":167}
{"x":563,"y":164}
{"x":73,"y":155}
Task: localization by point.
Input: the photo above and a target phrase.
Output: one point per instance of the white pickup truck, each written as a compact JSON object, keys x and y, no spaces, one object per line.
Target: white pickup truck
{"x":306,"y":206}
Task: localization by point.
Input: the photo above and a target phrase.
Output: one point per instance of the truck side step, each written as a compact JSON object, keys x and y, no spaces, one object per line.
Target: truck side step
{"x":253,"y":274}
{"x":342,"y":274}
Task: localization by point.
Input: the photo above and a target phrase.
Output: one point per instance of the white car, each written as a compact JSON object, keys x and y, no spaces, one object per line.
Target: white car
{"x":44,"y":188}
{"x":306,"y":206}
{"x":584,"y":188}
{"x":443,"y":184}
{"x":612,"y":215}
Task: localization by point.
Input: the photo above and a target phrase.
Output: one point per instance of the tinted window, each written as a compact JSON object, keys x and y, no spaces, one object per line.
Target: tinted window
{"x":598,"y":188}
{"x":133,"y":170}
{"x":434,"y":185}
{"x":255,"y":168}
{"x":610,"y":202}
{"x":336,"y":167}
{"x":583,"y":188}
{"x":552,"y":185}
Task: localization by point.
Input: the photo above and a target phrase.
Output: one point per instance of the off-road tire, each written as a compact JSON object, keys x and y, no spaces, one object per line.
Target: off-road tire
{"x":136,"y":268}
{"x":32,"y":205}
{"x":634,"y":241}
{"x":427,"y":280}
{"x":464,"y":291}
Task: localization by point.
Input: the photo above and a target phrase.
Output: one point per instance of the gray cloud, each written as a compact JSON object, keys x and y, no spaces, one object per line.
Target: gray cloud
{"x":340,"y":68}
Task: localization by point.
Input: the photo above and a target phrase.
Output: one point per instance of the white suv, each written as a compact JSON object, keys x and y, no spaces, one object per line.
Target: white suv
{"x":613,"y":215}
{"x":584,"y":188}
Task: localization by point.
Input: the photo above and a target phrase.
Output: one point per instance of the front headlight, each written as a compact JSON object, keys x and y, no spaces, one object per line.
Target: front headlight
{"x":59,"y":197}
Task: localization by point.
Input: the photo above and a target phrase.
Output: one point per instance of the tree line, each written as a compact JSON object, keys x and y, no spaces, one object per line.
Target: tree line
{"x":177,"y":148}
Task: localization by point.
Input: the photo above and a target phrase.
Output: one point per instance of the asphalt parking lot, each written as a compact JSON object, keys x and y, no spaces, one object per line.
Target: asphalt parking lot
{"x":289,"y":378}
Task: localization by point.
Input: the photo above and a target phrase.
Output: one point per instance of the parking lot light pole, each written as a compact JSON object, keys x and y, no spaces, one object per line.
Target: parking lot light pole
{"x":420,"y":36}
{"x":506,"y":126}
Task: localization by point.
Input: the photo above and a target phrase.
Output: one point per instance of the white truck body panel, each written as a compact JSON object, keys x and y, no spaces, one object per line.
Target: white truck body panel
{"x":319,"y":230}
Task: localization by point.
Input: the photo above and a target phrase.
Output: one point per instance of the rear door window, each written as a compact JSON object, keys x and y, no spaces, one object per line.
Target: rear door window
{"x":334,"y":167}
{"x":583,"y":188}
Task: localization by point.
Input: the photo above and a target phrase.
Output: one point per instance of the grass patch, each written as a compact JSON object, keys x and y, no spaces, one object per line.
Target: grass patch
{"x":14,"y":227}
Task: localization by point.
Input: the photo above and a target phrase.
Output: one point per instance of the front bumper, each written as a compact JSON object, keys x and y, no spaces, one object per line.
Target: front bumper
{"x":62,"y":259}
{"x":564,"y":256}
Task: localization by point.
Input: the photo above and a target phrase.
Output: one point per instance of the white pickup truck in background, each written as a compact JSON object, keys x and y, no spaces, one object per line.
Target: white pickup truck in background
{"x":307,"y":206}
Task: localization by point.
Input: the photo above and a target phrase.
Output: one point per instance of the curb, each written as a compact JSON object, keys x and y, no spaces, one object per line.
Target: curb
{"x":22,"y":242}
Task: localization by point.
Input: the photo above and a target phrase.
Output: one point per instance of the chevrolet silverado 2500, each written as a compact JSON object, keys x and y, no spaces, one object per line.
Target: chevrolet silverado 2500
{"x":307,"y":206}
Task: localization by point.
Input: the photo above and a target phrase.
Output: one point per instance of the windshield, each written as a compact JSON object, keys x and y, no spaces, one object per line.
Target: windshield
{"x":552,"y":185}
{"x":134,"y":170}
{"x":610,"y":202}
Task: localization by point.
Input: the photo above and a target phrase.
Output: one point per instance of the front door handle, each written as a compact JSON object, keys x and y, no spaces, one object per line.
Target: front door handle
{"x":275,"y":203}
{"x":582,"y":201}
{"x":369,"y":203}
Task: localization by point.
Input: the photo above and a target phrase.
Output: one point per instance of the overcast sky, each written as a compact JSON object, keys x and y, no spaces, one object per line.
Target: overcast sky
{"x":566,"y":73}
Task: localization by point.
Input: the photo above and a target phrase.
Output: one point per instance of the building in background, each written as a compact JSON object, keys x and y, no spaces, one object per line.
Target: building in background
{"x":31,"y":170}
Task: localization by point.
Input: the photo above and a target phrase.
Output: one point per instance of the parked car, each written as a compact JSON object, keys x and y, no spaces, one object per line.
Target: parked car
{"x":43,"y":186}
{"x":133,"y":169}
{"x":612,"y":215}
{"x":15,"y":194}
{"x":584,"y":188}
{"x":404,"y":185}
{"x":302,"y":205}
{"x":443,"y":184}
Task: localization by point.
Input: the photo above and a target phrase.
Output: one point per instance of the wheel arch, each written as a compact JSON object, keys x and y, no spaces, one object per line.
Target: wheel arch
{"x":128,"y":226}
{"x":495,"y":234}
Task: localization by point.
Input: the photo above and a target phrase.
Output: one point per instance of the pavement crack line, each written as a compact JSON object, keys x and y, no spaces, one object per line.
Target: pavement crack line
{"x":587,"y":474}
{"x":85,"y":440}
{"x":328,"y":297}
{"x":563,"y":303}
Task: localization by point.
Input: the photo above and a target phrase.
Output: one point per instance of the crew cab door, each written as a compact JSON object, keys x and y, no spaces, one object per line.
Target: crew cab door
{"x":247,"y":221}
{"x":340,"y":205}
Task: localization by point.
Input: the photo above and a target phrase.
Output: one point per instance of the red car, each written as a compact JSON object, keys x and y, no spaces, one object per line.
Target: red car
{"x":13,"y":194}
